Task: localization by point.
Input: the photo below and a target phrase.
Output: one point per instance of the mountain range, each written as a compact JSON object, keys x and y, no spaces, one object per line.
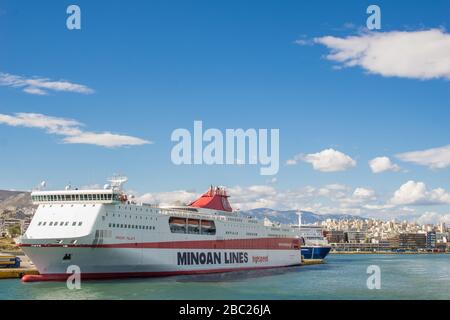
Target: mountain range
{"x":13,"y":204}
{"x":291,"y":217}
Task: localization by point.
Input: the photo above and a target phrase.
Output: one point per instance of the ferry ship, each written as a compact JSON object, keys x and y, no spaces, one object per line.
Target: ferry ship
{"x":314,"y":245}
{"x":107,"y":235}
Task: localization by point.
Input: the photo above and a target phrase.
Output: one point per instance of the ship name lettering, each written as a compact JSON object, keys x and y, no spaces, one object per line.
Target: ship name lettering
{"x":211,"y":258}
{"x":192,"y":258}
{"x":236,"y":257}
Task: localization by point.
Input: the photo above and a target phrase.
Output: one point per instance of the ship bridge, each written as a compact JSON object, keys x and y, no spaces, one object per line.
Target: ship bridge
{"x":111,"y":193}
{"x":72,"y":196}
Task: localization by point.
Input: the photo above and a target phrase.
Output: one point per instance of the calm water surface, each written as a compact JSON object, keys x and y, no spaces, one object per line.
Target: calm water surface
{"x":342,"y":277}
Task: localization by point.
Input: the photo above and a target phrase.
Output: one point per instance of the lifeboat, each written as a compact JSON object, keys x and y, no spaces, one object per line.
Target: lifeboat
{"x":178,"y":222}
{"x":207,"y":224}
{"x":193,"y":223}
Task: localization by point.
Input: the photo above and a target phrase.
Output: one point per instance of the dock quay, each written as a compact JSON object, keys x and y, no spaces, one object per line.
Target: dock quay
{"x":26,"y":267}
{"x":8,"y":273}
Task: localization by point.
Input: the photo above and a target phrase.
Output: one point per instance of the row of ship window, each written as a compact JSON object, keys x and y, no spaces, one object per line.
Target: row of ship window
{"x":241,"y":220}
{"x":277,"y":236}
{"x":131,"y":226}
{"x":61,"y":224}
{"x":130,"y":216}
{"x":136,"y":209}
{"x":278,"y":229}
{"x":75,"y":197}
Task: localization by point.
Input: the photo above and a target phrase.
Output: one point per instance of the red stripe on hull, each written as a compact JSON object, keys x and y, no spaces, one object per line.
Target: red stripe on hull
{"x":234,"y":244}
{"x":125,"y":275}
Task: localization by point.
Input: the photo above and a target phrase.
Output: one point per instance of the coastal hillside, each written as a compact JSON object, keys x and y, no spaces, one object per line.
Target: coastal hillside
{"x":5,"y":194}
{"x":14,"y":204}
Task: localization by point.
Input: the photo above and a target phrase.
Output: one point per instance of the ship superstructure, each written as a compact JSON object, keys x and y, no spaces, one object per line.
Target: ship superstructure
{"x":107,"y":235}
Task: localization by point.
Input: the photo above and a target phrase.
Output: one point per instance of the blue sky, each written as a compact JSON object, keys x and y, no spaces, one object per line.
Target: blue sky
{"x":154,"y":66}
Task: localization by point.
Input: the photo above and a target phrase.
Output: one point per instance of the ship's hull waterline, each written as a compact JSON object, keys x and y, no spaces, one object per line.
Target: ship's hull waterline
{"x":315,"y":253}
{"x":116,"y":263}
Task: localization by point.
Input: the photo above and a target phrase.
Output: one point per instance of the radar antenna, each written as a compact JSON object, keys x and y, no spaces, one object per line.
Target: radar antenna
{"x":41,"y":186}
{"x":117,"y":181}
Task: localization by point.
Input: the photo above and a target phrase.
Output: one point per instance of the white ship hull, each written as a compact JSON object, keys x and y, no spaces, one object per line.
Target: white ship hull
{"x":99,"y":263}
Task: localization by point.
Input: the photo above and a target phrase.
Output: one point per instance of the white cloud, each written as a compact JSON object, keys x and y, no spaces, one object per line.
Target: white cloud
{"x":34,"y":90}
{"x":416,"y":193}
{"x":408,"y":54}
{"x":436,"y":158}
{"x":179,"y":197}
{"x":70,"y":129}
{"x":433,"y":218}
{"x":41,"y":86}
{"x":364,"y":194}
{"x":360,"y":199}
{"x":328,"y":199}
{"x":332,"y":198}
{"x":378,"y":207}
{"x":291,"y":162}
{"x":304,"y":42}
{"x":328,"y":160}
{"x":382,"y":164}
{"x":105,"y":139}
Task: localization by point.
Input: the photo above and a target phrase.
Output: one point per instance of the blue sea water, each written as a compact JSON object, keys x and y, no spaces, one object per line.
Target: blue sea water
{"x":342,"y":277}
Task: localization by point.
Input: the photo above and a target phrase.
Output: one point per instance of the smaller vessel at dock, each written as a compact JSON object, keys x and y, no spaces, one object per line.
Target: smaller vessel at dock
{"x":314,"y":245}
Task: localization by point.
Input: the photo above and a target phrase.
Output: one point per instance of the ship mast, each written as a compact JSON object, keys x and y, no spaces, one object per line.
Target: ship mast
{"x":117,"y":181}
{"x":299,"y":213}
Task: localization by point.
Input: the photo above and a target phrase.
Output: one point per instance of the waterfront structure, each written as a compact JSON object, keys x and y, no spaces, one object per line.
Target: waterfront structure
{"x":362,"y":247}
{"x":355,"y":236}
{"x":108,"y":236}
{"x":379,"y":230}
{"x":410,"y":241}
{"x":431,"y":240}
{"x":335,"y":236}
{"x":6,"y":224}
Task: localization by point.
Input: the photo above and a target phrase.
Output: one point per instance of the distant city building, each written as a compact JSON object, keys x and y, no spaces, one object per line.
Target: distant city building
{"x":355,"y":236}
{"x":374,"y":235}
{"x":442,"y":237}
{"x":431,"y":240}
{"x":442,"y":247}
{"x":410,"y":241}
{"x":335,"y":236}
{"x":6,"y":224}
